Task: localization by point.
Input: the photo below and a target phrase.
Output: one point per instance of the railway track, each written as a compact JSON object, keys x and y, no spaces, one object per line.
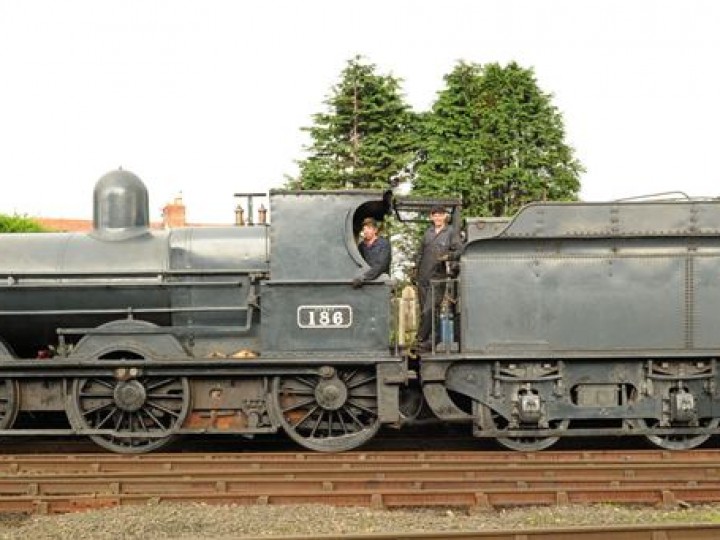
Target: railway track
{"x":472,"y":480}
{"x":689,"y":531}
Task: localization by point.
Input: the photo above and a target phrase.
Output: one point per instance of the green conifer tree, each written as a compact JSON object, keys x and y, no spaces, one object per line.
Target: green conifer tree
{"x":363,"y":138}
{"x":494,"y":138}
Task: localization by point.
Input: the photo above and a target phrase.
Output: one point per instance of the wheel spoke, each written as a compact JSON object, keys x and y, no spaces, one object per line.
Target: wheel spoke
{"x":140,"y":421}
{"x":152,"y":417}
{"x":119,"y":420}
{"x":349,"y":375}
{"x":342,"y":422}
{"x":107,"y":417}
{"x":362,"y":408}
{"x":299,"y":405}
{"x":305,"y":382}
{"x":101,"y":382}
{"x":158,"y":384}
{"x":165,"y":396}
{"x":159,"y":407}
{"x":88,"y":412}
{"x":362,"y":382}
{"x":297,"y":392}
{"x":95,"y":395}
{"x":307,"y":415}
{"x":355,"y":419}
{"x":317,"y":422}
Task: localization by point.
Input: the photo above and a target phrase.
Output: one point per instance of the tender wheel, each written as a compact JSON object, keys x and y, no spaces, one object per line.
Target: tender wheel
{"x":331,"y":412}
{"x":9,"y":403}
{"x":492,"y":420}
{"x":679,"y":441}
{"x":143,"y":412}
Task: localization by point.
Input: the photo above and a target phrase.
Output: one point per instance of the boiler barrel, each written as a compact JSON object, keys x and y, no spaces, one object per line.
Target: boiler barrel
{"x":57,"y":280}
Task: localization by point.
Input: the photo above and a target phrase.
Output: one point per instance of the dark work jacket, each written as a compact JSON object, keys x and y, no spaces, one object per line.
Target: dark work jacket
{"x":377,"y":255}
{"x":434,"y":247}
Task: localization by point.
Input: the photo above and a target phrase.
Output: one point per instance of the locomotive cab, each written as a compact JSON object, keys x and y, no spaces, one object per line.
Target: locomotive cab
{"x":309,"y":303}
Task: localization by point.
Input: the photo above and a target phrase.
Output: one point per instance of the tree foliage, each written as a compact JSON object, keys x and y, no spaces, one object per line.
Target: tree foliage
{"x":364,"y":136}
{"x":495,"y":139}
{"x":18,"y":224}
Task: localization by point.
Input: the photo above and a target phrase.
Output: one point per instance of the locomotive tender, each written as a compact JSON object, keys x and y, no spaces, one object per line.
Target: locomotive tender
{"x":576,"y":319}
{"x":587,"y":319}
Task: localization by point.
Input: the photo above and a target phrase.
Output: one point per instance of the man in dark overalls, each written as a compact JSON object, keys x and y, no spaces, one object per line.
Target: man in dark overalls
{"x":376,"y":252}
{"x":441,"y":243}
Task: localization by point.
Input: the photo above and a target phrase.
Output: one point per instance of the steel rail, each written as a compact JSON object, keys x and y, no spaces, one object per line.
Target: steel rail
{"x":382,"y":480}
{"x":668,"y":531}
{"x":555,"y":474}
{"x":157,"y":484}
{"x":490,"y":457}
{"x":467,"y":499}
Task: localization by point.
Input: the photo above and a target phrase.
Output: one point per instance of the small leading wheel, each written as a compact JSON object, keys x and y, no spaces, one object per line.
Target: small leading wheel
{"x":333,"y":411}
{"x":141,"y":412}
{"x":679,"y":441}
{"x":492,"y":420}
{"x":9,"y":403}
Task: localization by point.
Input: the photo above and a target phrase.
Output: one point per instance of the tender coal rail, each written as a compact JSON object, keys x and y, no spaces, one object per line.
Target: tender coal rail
{"x":471,"y":480}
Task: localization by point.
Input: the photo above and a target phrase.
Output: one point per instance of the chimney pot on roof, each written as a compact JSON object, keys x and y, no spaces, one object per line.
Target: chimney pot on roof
{"x":174,"y":214}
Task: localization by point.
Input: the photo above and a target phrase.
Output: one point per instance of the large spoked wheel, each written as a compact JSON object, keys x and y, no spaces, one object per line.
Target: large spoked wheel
{"x":9,"y":403}
{"x":334,"y":411}
{"x":679,"y":441}
{"x":142,"y":413}
{"x":492,"y":420}
{"x":9,"y":393}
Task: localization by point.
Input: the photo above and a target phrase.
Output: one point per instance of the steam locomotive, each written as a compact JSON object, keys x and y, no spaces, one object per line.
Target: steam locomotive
{"x":574,"y":319}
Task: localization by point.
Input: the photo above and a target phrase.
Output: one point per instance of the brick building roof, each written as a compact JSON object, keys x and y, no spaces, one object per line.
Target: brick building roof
{"x":65,"y":224}
{"x":173,"y":217}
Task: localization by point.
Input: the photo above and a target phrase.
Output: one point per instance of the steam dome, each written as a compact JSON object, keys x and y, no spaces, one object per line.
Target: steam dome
{"x":120,"y":206}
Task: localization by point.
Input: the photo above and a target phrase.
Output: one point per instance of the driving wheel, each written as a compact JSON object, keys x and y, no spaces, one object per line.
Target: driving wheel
{"x":332,"y":411}
{"x":141,"y":414}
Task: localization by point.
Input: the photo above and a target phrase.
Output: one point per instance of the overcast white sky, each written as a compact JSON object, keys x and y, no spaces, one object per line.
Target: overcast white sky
{"x":207,"y":98}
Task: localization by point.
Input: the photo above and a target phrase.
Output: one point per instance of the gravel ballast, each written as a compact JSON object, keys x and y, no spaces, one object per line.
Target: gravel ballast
{"x":185,"y":521}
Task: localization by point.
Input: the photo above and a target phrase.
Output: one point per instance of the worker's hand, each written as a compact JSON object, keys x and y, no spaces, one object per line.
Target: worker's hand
{"x":357,"y":283}
{"x":443,"y":258}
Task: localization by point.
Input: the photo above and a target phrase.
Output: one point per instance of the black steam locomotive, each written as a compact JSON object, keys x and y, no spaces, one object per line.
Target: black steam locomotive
{"x":574,"y":320}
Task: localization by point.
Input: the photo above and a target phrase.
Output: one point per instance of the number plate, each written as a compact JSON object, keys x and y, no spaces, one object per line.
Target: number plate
{"x":324,"y":316}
